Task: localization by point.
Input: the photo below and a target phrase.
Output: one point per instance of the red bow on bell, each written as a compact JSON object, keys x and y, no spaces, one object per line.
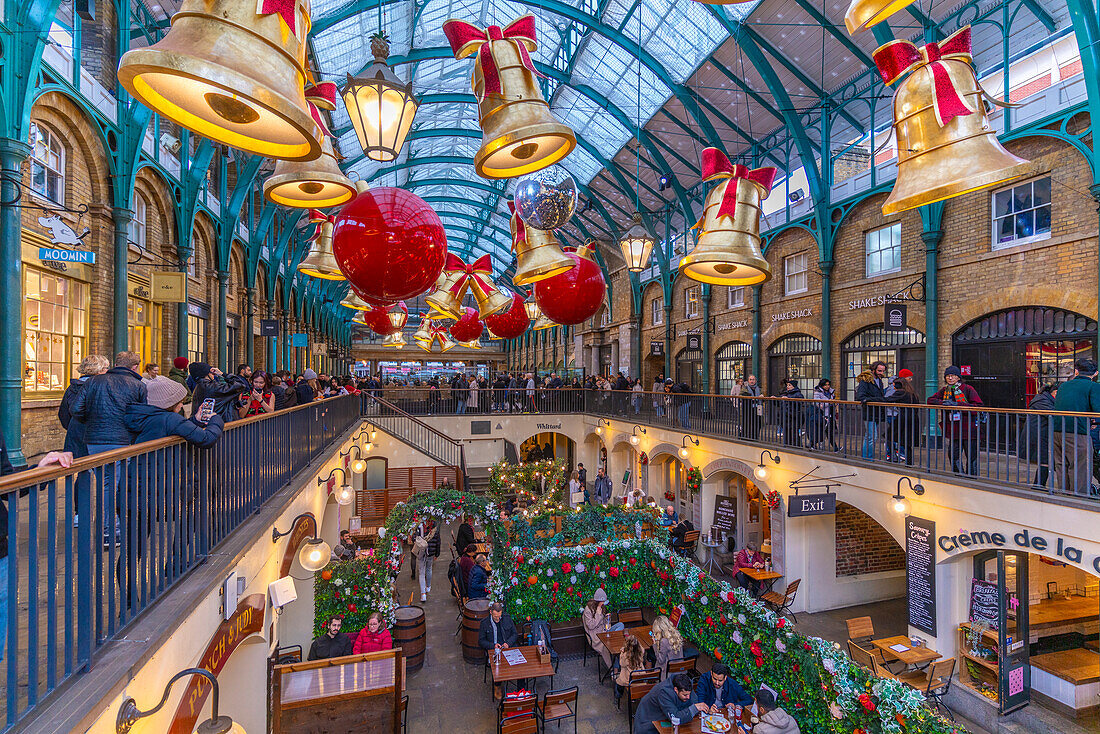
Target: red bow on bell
{"x":897,"y":58}
{"x":716,"y":165}
{"x":474,"y":271}
{"x":321,"y":95}
{"x":320,"y":219}
{"x":465,"y":39}
{"x":521,"y":228}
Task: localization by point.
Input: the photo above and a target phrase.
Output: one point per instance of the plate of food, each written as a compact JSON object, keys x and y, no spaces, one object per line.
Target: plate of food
{"x":715,"y":724}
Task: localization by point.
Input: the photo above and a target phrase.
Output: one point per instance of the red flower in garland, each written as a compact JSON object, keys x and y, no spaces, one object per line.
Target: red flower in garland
{"x":351,"y":608}
{"x":709,"y":621}
{"x":760,"y":662}
{"x":555,"y":586}
{"x":614,"y":571}
{"x":633,"y":561}
{"x":635,"y":586}
{"x":781,"y":623}
{"x":866,"y":702}
{"x":806,"y":646}
{"x":702,"y":576}
{"x":754,"y":648}
{"x":599,"y":551}
{"x":566,"y":567}
{"x":611,"y":556}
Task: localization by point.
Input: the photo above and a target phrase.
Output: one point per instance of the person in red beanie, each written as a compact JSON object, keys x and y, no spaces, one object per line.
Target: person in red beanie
{"x":179,"y":374}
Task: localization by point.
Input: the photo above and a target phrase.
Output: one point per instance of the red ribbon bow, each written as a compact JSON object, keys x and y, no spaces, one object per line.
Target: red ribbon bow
{"x":319,"y":218}
{"x":897,"y":58}
{"x":465,"y":39}
{"x":320,"y":96}
{"x":474,"y":271}
{"x":716,"y":165}
{"x":521,"y":228}
{"x":285,"y":10}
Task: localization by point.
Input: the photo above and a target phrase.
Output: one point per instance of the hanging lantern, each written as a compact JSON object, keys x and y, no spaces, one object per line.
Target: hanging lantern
{"x":863,"y":14}
{"x":380,"y":106}
{"x":575,"y":295}
{"x":233,"y":72}
{"x":531,"y":307}
{"x":538,"y":254}
{"x":386,"y":320}
{"x":728,"y":250}
{"x":478,"y":277}
{"x":354,"y":302}
{"x":319,"y":261}
{"x":395,"y":340}
{"x":468,"y":328}
{"x":512,"y":322}
{"x":520,"y":135}
{"x":946,"y":146}
{"x":637,"y":244}
{"x":390,"y":244}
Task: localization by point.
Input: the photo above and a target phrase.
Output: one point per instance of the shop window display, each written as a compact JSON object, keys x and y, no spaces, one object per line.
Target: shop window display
{"x":54,"y":330}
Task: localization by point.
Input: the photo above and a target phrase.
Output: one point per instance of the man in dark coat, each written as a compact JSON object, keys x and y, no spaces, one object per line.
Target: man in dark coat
{"x":210,"y":383}
{"x":285,"y":397}
{"x":872,"y":391}
{"x":304,"y":389}
{"x":497,"y":632}
{"x":160,"y":417}
{"x":1072,"y":443}
{"x":671,"y":697}
{"x":332,"y":644}
{"x":101,"y":407}
{"x":465,"y":535}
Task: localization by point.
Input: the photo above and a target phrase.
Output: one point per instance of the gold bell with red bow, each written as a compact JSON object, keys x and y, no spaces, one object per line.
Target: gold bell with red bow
{"x":728,"y":250}
{"x":946,"y":145}
{"x":354,"y":302}
{"x":478,"y":278}
{"x":232,"y":71}
{"x":538,"y":254}
{"x":520,"y":135}
{"x":320,"y":262}
{"x":442,"y":299}
{"x":423,"y":333}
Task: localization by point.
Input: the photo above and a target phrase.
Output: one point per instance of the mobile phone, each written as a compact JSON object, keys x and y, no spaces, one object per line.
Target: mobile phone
{"x":206,"y":411}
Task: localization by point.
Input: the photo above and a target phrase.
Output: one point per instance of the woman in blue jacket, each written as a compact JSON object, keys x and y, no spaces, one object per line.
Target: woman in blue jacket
{"x":479,"y":578}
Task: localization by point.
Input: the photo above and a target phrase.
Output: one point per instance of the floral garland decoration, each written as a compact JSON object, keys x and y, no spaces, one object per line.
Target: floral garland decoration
{"x":536,"y":482}
{"x":694,"y":480}
{"x":354,"y":590}
{"x":772,"y":498}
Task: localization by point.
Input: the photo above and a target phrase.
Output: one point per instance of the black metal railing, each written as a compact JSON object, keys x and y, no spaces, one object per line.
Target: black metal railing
{"x":1050,"y":452}
{"x":409,"y":429}
{"x":92,"y":546}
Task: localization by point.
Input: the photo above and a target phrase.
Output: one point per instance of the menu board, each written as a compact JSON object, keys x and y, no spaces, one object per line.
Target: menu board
{"x":725,"y":513}
{"x":920,"y":573}
{"x":985,"y":603}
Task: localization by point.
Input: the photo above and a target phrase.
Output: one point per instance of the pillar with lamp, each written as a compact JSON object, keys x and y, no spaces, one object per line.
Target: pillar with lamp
{"x":315,"y":553}
{"x":761,"y":471}
{"x":898,"y":503}
{"x":684,"y":451}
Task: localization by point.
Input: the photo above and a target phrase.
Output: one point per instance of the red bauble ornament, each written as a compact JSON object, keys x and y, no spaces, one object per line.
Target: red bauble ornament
{"x":378,"y":318}
{"x":574,"y":296}
{"x":511,"y":323}
{"x":468,"y":328}
{"x":390,"y":244}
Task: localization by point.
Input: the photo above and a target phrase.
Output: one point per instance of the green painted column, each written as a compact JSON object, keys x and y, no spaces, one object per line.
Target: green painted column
{"x":931,"y":241}
{"x":704,"y":340}
{"x":223,"y":331}
{"x":249,"y":326}
{"x":270,"y":363}
{"x":12,"y":155}
{"x":181,"y":316}
{"x":757,"y":358}
{"x":121,"y":338}
{"x":826,"y":319}
{"x":668,"y":336}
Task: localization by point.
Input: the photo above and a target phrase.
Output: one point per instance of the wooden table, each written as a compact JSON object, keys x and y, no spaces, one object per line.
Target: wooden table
{"x":768,"y":578}
{"x":695,"y":726}
{"x":482,"y":547}
{"x":479,"y":535}
{"x":1058,"y":616}
{"x":915,"y":656}
{"x":503,"y":672}
{"x":614,"y":641}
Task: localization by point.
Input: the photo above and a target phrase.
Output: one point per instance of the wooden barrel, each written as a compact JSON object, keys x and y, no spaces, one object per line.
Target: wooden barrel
{"x":472,"y":614}
{"x":408,"y":634}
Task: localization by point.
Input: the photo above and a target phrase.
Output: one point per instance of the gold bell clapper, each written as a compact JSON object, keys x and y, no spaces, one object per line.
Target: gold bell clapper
{"x":520,"y":135}
{"x":232,"y":71}
{"x":728,"y":250}
{"x":310,"y":184}
{"x":863,"y":14}
{"x":946,"y":145}
{"x":478,"y":278}
{"x":538,"y":254}
{"x":319,"y":262}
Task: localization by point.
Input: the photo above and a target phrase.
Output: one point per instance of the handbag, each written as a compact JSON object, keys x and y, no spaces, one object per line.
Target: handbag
{"x":420,"y":546}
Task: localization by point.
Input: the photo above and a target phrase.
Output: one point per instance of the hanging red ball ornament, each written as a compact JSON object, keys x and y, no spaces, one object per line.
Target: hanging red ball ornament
{"x":390,"y":244}
{"x":468,"y":328}
{"x":510,"y":323}
{"x":386,"y":320}
{"x":574,"y":296}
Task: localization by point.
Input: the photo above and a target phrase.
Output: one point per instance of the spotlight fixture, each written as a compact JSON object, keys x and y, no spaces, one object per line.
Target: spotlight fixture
{"x":898,"y":503}
{"x":129,"y":714}
{"x":761,"y":471}
{"x":344,"y":493}
{"x":663,"y":183}
{"x":315,"y":553}
{"x":635,"y":439}
{"x":600,"y":424}
{"x":796,"y":196}
{"x":684,"y":443}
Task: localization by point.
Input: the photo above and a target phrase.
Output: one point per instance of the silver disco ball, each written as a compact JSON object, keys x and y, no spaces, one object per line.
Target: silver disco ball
{"x":546,"y":199}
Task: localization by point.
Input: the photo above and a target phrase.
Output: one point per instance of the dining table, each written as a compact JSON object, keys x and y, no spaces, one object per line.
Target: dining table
{"x":768,"y":578}
{"x":917,"y":657}
{"x":695,"y":726}
{"x":504,"y":672}
{"x":615,"y":640}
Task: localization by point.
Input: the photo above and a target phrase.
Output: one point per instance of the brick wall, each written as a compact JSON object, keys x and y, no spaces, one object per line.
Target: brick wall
{"x":99,"y":45}
{"x":862,"y":545}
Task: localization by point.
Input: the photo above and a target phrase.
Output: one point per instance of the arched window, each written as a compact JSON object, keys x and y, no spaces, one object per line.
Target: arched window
{"x":47,"y":164}
{"x":137,"y":224}
{"x":731,"y":362}
{"x":898,"y":349}
{"x":797,"y":356}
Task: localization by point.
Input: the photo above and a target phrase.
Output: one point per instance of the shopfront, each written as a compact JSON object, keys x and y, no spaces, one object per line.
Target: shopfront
{"x":731,"y":363}
{"x":232,"y":338}
{"x":1009,"y":355}
{"x":751,"y":517}
{"x":144,"y":321}
{"x":198,"y":315}
{"x":689,"y":368}
{"x":797,"y":356}
{"x":898,"y":349}
{"x":55,"y":321}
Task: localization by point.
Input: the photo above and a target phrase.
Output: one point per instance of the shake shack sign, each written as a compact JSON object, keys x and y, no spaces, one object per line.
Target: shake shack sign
{"x":802,"y":505}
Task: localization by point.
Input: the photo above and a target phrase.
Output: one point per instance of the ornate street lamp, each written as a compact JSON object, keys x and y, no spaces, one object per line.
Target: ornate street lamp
{"x":380,"y":106}
{"x":636,"y":244}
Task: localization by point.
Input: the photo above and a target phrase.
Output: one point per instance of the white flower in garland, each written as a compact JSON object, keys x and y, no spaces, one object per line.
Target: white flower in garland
{"x":780,"y":646}
{"x":741,"y":618}
{"x":338,"y":582}
{"x":703,"y":601}
{"x":549,"y":572}
{"x":603,"y":575}
{"x":736,"y":637}
{"x":573,"y":579}
{"x":580,"y":568}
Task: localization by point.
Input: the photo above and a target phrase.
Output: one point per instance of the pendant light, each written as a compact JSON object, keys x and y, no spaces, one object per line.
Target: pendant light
{"x":637,"y":243}
{"x":380,"y":106}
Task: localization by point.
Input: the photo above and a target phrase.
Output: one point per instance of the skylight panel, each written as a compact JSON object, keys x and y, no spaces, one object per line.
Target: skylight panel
{"x":587,"y":118}
{"x":613,"y":71}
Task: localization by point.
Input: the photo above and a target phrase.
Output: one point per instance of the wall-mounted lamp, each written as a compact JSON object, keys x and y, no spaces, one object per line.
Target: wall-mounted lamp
{"x":898,"y":503}
{"x":344,"y":493}
{"x":359,"y":465}
{"x":684,"y":443}
{"x":315,"y":553}
{"x":761,"y":471}
{"x":635,"y":439}
{"x":129,"y":714}
{"x":369,"y":431}
{"x":600,"y":424}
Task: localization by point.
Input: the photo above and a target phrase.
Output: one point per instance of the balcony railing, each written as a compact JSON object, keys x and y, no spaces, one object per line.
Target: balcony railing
{"x":415,"y":432}
{"x":1047,"y":452}
{"x":71,"y":581}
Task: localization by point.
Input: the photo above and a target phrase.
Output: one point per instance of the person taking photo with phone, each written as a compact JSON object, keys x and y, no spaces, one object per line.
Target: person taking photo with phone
{"x":261,"y":399}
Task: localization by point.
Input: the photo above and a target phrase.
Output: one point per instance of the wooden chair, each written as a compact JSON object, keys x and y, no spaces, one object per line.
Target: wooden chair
{"x":782,"y":603}
{"x":515,"y":706}
{"x":934,"y":682}
{"x":632,"y":617}
{"x":641,"y":683}
{"x":404,"y":714}
{"x":519,"y":724}
{"x":880,"y":670}
{"x":556,"y":706}
{"x":861,"y":656}
{"x":691,"y":542}
{"x":686,"y":665}
{"x":860,"y":629}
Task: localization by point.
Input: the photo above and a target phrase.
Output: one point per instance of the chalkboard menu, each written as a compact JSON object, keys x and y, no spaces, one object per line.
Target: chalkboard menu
{"x":725,"y":513}
{"x":920,"y":573}
{"x":985,"y":603}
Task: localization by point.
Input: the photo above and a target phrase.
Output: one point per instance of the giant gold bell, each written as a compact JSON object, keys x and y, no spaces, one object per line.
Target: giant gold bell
{"x":937,"y":163}
{"x":319,"y":262}
{"x":354,"y":302}
{"x":315,"y":184}
{"x":863,"y":14}
{"x":538,"y":254}
{"x":728,"y":251}
{"x":488,"y":297}
{"x":542,"y":322}
{"x":445,"y":304}
{"x":423,"y":334}
{"x":232,"y":74}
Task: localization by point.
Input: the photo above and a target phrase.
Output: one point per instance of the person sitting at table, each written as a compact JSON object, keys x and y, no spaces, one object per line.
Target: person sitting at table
{"x":669,"y":518}
{"x":373,"y":637}
{"x":333,"y":643}
{"x":773,"y":720}
{"x":677,"y":533}
{"x":466,"y":566}
{"x":596,"y":619}
{"x":717,"y":689}
{"x":497,"y":632}
{"x":465,"y":535}
{"x":748,"y":557}
{"x":479,"y":578}
{"x":631,"y":658}
{"x":671,"y":697}
{"x":668,"y":644}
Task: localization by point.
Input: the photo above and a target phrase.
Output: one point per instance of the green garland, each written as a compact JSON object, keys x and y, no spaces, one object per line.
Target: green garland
{"x":694,"y":480}
{"x":354,"y":589}
{"x":526,"y":481}
{"x":586,"y":523}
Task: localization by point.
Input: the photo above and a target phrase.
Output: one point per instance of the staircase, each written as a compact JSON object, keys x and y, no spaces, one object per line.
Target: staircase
{"x":477,"y":479}
{"x":416,"y":433}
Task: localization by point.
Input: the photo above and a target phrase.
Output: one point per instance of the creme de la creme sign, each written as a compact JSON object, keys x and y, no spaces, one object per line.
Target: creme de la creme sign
{"x":1025,"y":539}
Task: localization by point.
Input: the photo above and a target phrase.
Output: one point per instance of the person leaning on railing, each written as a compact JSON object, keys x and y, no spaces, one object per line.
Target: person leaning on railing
{"x":961,"y":428}
{"x":161,"y":417}
{"x":1073,"y":446}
